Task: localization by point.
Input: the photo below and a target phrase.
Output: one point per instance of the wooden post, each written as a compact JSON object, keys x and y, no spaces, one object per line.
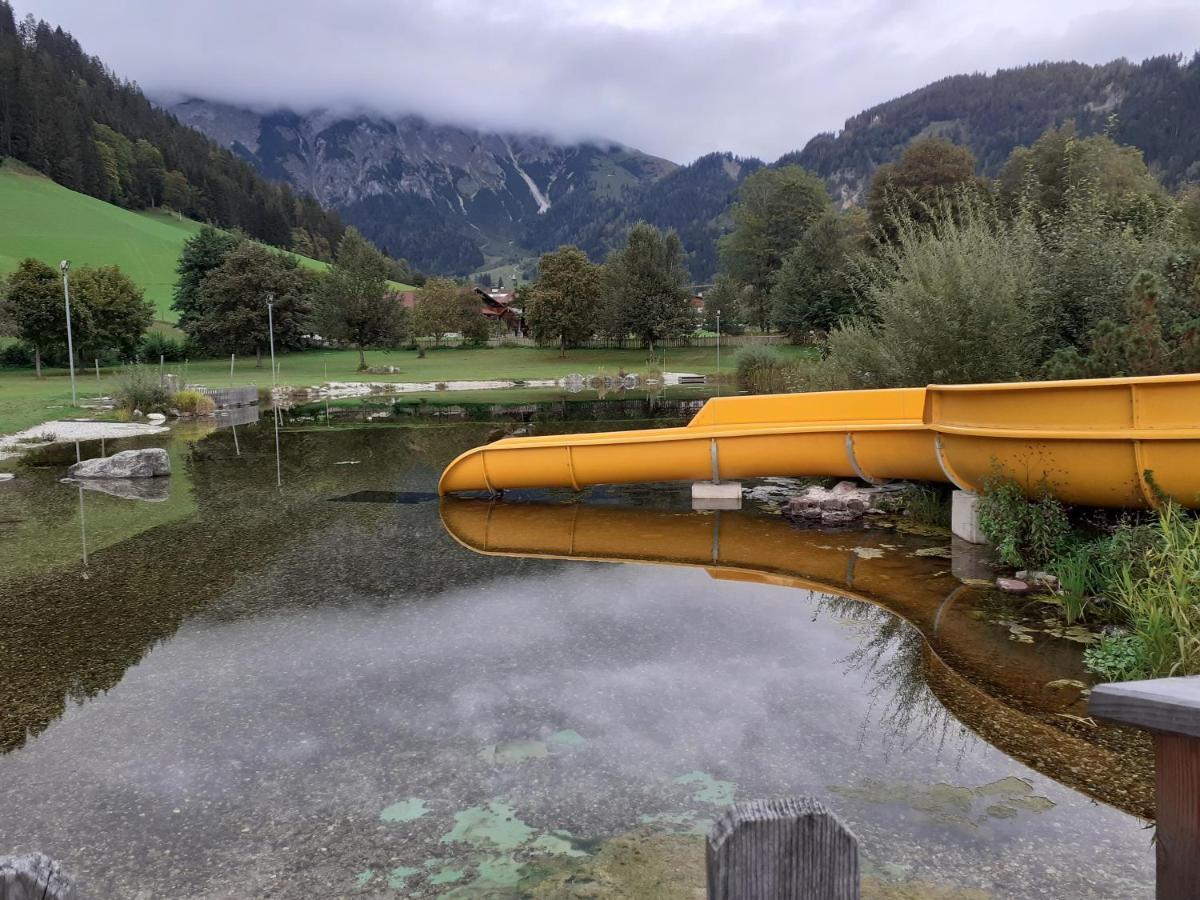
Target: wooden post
{"x":34,"y":877}
{"x":1169,"y":708}
{"x":793,"y":849}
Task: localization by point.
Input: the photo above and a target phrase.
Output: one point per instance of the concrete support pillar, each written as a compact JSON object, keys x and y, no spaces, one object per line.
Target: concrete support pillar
{"x":964,"y":517}
{"x":719,"y":495}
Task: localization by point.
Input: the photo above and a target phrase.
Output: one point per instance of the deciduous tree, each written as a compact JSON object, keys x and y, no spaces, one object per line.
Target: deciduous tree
{"x":118,"y":311}
{"x":34,"y":302}
{"x":356,"y":304}
{"x":444,"y":307}
{"x":232,"y":308}
{"x":774,"y":208}
{"x":931,"y":172}
{"x":814,"y":289}
{"x":202,"y":253}
{"x":563,"y":305}
{"x":645,"y":287}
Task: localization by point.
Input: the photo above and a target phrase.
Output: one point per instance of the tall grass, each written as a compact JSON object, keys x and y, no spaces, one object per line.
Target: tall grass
{"x":1159,"y":593}
{"x":764,"y":370}
{"x":139,"y":388}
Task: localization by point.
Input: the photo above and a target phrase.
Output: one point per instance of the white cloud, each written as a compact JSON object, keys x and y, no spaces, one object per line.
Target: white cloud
{"x":672,"y":77}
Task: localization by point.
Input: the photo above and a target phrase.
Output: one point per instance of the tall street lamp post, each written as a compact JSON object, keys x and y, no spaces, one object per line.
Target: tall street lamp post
{"x":65,"y":267}
{"x":718,"y":353}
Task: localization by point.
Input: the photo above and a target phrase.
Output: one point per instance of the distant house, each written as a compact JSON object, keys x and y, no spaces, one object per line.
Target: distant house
{"x":495,"y":306}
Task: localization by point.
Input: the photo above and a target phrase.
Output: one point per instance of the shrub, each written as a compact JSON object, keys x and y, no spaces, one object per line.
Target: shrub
{"x":1026,"y":533}
{"x":764,"y":370}
{"x":193,"y":403}
{"x":951,"y":302}
{"x":139,"y":388}
{"x":156,"y":345}
{"x":18,"y":355}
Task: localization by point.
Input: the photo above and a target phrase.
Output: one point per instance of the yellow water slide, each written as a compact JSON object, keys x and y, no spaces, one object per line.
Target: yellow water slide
{"x":1099,"y":442}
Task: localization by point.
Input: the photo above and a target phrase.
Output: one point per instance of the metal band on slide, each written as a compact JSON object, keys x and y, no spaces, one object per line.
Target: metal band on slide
{"x":947,"y":469}
{"x":858,"y":470}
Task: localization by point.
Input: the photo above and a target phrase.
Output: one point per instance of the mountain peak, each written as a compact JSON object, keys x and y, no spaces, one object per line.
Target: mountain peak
{"x":450,"y":198}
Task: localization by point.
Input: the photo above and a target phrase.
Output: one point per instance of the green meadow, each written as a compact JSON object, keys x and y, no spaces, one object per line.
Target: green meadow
{"x":49,"y":222}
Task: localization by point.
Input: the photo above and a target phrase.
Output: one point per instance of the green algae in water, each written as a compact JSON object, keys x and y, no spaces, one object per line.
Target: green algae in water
{"x":950,"y":804}
{"x":449,"y":875}
{"x":498,"y":873}
{"x":556,"y":845}
{"x":710,"y":790}
{"x":688,"y":822}
{"x":362,"y":878}
{"x":404,"y":811}
{"x":399,"y":875}
{"x":495,"y":825}
{"x":568,"y":736}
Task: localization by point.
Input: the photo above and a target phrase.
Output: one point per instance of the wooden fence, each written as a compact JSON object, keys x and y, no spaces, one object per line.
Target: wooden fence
{"x":629,"y":343}
{"x":226,"y":397}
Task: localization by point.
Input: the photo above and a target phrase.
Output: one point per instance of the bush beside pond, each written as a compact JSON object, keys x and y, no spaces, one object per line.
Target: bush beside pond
{"x":1138,"y":578}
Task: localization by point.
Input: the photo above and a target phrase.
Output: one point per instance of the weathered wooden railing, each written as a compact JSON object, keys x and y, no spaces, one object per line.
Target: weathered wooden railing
{"x":34,"y":877}
{"x":793,"y":849}
{"x":1169,"y":708}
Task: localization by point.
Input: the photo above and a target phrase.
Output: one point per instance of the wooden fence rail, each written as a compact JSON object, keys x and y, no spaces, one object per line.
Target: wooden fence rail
{"x":227,"y":397}
{"x":1169,"y":708}
{"x":630,"y":343}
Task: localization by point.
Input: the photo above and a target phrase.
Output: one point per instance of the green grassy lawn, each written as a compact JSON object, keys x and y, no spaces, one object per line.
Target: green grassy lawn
{"x":25,"y":401}
{"x":49,"y":222}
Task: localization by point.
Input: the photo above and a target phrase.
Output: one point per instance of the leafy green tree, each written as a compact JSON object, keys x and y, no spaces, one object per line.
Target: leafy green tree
{"x":815,"y":287}
{"x":149,"y":174}
{"x":445,"y":307}
{"x":645,"y":287}
{"x":1043,"y":181}
{"x":722,"y":298}
{"x":34,"y":302}
{"x":563,"y":305}
{"x":202,"y":253}
{"x":231,"y":315}
{"x":118,"y":311}
{"x":774,"y":208}
{"x":177,"y":193}
{"x":356,"y":304}
{"x":931,"y":172}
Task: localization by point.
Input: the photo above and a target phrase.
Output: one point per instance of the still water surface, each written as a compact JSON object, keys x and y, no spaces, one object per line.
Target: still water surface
{"x":312,"y":689}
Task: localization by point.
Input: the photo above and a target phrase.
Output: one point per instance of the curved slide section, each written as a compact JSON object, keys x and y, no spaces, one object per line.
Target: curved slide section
{"x":1100,"y":442}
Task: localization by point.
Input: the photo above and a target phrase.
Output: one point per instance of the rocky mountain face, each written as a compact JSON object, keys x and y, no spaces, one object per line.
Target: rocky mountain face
{"x":449,"y":199}
{"x":453,"y":200}
{"x":1152,"y":105}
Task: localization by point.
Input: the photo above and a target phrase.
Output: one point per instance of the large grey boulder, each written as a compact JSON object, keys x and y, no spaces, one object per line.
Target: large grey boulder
{"x":34,"y":877}
{"x":148,"y":463}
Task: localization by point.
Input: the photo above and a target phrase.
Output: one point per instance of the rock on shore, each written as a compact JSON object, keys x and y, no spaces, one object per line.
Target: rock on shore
{"x":150,"y":462}
{"x":843,"y":503}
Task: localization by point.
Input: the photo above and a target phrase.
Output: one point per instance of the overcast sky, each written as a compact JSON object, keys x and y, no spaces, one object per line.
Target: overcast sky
{"x":677,"y":78}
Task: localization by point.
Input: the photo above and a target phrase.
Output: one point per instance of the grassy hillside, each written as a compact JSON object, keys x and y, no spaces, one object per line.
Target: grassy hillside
{"x":50,"y":222}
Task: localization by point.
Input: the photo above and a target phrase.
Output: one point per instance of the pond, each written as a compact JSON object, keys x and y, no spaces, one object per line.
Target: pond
{"x":298,"y":675}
